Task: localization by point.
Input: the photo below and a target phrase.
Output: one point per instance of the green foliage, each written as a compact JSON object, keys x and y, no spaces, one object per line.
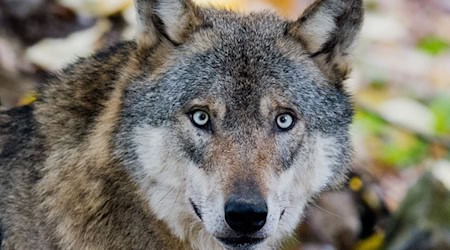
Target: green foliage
{"x":371,"y":5}
{"x":433,"y":45}
{"x":370,"y":123}
{"x":378,"y":84}
{"x":390,"y":145}
{"x":441,"y":110}
{"x":402,"y":149}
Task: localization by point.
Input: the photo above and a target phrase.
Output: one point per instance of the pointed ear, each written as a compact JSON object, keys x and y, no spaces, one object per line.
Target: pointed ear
{"x":173,"y":19}
{"x":328,"y":30}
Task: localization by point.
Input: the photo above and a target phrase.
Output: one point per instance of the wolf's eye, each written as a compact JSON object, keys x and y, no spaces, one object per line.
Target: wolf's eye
{"x":200,"y":118}
{"x":285,"y":121}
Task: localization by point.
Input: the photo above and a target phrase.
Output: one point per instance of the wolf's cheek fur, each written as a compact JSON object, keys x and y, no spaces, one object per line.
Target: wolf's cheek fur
{"x":310,"y":173}
{"x":169,"y":181}
{"x":161,"y":177}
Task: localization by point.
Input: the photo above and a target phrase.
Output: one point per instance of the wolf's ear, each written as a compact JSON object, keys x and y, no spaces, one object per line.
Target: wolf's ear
{"x":173,"y":19}
{"x":328,"y":30}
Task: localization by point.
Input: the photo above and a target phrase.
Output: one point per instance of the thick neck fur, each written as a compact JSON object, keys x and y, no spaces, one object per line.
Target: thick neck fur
{"x":88,"y":199}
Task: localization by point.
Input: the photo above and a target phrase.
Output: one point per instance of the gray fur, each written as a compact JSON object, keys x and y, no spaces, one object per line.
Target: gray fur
{"x":74,"y":173}
{"x":240,"y":69}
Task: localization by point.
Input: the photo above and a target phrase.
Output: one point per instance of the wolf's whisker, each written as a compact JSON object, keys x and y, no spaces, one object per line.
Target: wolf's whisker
{"x":327,"y":211}
{"x":165,"y":195}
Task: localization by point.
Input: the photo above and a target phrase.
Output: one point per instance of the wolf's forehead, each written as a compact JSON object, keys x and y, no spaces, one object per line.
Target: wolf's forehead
{"x":263,"y":25}
{"x":247,"y":45}
{"x":244,"y":66}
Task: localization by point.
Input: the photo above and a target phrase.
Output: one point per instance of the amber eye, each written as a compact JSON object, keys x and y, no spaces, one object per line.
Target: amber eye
{"x":200,"y":118}
{"x":285,"y":121}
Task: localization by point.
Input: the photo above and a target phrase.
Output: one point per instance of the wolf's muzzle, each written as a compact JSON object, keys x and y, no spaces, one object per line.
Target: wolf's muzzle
{"x":245,"y":216}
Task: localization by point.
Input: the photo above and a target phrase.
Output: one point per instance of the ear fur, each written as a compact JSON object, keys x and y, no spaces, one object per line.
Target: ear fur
{"x":173,"y":19}
{"x":328,"y":30}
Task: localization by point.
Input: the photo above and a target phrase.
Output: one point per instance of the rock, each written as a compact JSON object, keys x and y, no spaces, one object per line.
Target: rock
{"x":423,"y":220}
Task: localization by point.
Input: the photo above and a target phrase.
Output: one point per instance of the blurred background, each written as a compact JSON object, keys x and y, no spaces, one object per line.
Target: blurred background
{"x":398,"y":196}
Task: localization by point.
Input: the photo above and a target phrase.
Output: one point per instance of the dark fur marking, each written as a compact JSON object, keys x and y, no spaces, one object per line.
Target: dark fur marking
{"x":340,"y":39}
{"x":287,"y":163}
{"x":347,"y":18}
{"x":194,"y":153}
{"x":161,"y":27}
{"x":196,"y":209}
{"x":1,"y":236}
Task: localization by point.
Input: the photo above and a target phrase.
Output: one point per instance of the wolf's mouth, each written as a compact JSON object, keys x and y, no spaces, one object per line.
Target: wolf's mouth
{"x":240,"y":242}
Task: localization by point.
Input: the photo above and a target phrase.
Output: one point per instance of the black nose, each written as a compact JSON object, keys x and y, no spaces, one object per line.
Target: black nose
{"x":245,"y":216}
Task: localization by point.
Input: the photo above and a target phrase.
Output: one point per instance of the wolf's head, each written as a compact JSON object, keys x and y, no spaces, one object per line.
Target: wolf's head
{"x":239,"y":120}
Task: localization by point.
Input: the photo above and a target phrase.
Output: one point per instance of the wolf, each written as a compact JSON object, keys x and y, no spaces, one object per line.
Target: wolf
{"x":210,"y":130}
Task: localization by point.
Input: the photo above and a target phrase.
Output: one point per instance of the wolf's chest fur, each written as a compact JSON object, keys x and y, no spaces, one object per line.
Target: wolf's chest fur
{"x":211,"y":130}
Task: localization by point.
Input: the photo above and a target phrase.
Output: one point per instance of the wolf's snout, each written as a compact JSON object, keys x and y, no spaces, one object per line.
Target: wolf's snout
{"x":245,"y":216}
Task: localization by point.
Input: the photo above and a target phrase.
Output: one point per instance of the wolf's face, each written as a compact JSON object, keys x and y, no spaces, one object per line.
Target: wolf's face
{"x":243,"y":122}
